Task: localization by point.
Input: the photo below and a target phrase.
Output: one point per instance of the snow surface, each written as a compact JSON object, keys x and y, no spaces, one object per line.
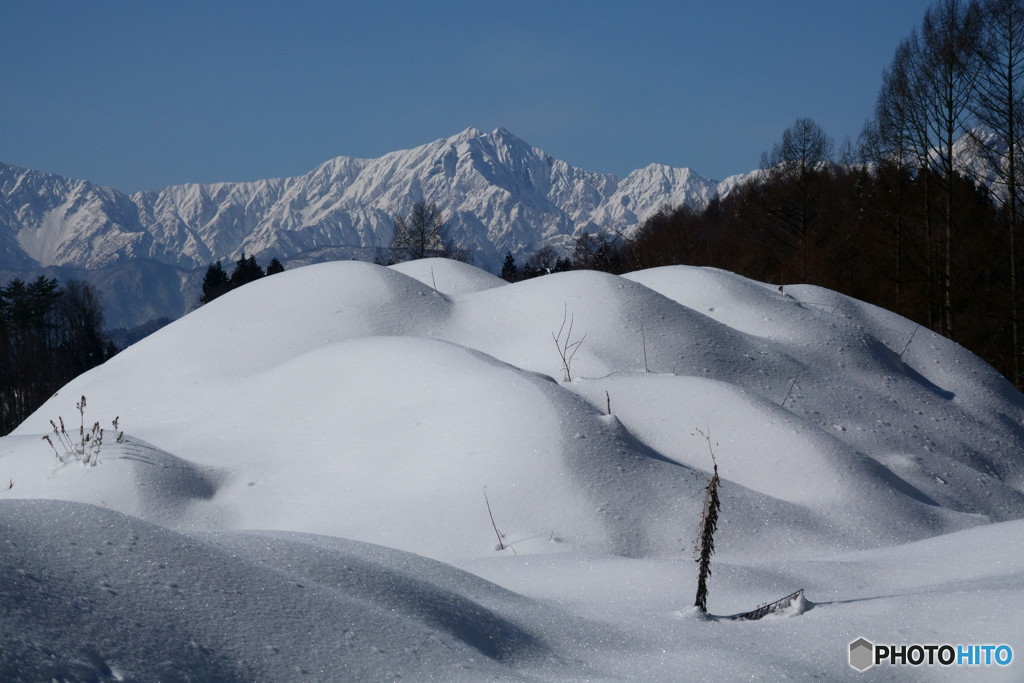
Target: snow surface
{"x":303,"y":491}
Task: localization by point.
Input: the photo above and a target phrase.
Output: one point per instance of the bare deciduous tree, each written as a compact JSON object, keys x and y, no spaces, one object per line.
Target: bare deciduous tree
{"x":923,"y":108}
{"x":794,"y":164}
{"x":999,"y":108}
{"x":421,"y":233}
{"x":949,"y":40}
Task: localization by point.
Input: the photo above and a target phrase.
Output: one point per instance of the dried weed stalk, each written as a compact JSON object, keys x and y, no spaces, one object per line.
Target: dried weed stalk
{"x":567,"y":348}
{"x":90,"y":443}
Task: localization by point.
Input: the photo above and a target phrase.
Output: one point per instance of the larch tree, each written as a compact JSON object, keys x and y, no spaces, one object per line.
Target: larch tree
{"x":421,"y":233}
{"x":792,"y":168}
{"x":950,"y":35}
{"x":998,"y":106}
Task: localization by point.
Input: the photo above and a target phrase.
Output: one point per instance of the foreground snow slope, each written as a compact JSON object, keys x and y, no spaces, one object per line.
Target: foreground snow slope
{"x":408,"y":406}
{"x":244,"y":606}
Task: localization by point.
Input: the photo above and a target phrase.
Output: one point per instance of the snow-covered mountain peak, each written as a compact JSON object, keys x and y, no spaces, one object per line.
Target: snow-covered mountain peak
{"x":499,"y":193}
{"x":471,"y":132}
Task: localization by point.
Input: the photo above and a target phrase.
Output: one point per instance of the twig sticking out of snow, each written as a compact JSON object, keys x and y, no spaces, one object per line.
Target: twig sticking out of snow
{"x":793,"y":603}
{"x":907,"y":345}
{"x":567,"y":348}
{"x":643,"y":341}
{"x":792,"y":385}
{"x":501,"y":544}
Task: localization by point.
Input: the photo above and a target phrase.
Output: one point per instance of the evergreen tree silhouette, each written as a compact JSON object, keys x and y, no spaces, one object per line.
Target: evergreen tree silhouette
{"x":246,"y":271}
{"x":215,"y":283}
{"x":274,"y":267}
{"x":48,"y":335}
{"x":509,"y":271}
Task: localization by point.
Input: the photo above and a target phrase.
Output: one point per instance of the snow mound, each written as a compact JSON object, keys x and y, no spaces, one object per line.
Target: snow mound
{"x":354,"y":400}
{"x":295,"y":606}
{"x":132,"y":477}
{"x":426,"y":409}
{"x":452,"y":278}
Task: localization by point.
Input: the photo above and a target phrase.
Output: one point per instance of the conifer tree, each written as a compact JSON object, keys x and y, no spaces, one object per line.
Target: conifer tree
{"x":216,"y":283}
{"x":509,"y":271}
{"x":246,"y":271}
{"x":274,"y":267}
{"x":48,"y":335}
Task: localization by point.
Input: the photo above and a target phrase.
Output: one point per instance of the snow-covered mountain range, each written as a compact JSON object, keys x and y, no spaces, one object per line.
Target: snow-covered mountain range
{"x":497,"y":192}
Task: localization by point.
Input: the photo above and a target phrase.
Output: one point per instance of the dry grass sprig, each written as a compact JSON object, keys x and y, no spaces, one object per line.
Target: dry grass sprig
{"x":90,"y":443}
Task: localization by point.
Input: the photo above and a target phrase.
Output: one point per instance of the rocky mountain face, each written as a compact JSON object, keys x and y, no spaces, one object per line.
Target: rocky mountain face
{"x":497,"y":192}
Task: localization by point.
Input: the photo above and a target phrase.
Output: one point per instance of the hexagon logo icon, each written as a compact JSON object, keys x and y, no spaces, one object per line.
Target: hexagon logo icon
{"x":862,"y":654}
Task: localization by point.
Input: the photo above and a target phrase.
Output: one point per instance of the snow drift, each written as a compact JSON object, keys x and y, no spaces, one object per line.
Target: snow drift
{"x":424,"y":409}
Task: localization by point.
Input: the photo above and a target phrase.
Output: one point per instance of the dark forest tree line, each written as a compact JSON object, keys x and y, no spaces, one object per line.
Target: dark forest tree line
{"x":855,"y":218}
{"x":217,"y":282}
{"x":48,"y":335}
{"x":865,"y":230}
{"x":544,"y":261}
{"x":956,"y":79}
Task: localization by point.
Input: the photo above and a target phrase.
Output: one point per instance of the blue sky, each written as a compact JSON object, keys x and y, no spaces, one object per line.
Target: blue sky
{"x":147,"y":93}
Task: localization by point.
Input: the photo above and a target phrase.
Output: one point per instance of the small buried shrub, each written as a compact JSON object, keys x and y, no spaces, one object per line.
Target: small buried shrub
{"x":704,"y":548}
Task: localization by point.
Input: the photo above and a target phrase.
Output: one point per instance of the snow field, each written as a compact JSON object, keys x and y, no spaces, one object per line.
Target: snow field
{"x":277,"y":431}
